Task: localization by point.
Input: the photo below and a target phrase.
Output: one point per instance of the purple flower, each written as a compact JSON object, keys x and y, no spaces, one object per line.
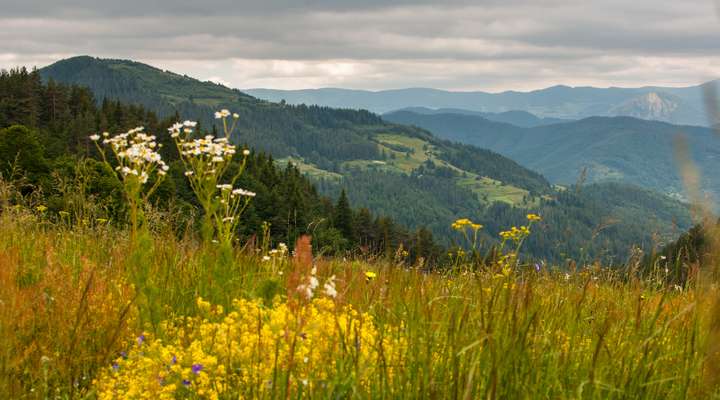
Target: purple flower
{"x":196,"y":368}
{"x":537,"y":267}
{"x":115,"y":366}
{"x":173,"y":361}
{"x":123,"y":354}
{"x":141,"y":339}
{"x":186,"y":382}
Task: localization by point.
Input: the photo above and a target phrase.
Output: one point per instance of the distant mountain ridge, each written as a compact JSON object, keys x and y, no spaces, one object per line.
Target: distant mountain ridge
{"x":621,"y":149}
{"x":563,"y":102}
{"x":517,"y":118}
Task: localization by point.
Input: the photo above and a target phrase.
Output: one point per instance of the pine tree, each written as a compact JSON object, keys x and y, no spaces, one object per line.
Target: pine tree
{"x":343,"y":217}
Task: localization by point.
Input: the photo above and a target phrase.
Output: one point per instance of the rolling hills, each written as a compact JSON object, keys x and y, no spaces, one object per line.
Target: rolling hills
{"x":397,"y":170}
{"x":621,"y":149}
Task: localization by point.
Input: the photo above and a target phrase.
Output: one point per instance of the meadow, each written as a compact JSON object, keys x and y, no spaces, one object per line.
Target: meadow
{"x":83,"y":315}
{"x":154,"y":308}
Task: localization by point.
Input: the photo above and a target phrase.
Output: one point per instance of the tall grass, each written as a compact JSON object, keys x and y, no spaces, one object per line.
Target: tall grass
{"x":73,"y":299}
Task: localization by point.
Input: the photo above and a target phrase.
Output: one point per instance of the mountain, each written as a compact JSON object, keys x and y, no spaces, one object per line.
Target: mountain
{"x":397,"y":170}
{"x":517,"y":118}
{"x":563,"y":102}
{"x":607,"y":148}
{"x":651,"y":106}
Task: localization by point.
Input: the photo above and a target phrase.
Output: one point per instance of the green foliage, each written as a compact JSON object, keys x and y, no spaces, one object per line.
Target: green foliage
{"x":21,"y":152}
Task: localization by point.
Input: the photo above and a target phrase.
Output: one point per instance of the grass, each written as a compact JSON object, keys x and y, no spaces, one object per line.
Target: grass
{"x":71,"y":305}
{"x":490,"y":190}
{"x":309,"y":170}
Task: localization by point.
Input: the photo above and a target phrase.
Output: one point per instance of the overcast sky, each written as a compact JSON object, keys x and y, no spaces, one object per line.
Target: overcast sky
{"x":488,"y":45}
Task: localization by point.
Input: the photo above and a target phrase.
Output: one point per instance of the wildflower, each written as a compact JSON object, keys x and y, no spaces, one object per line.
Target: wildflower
{"x":95,"y":137}
{"x":461,"y":223}
{"x":196,"y":368}
{"x":370,"y":275}
{"x":41,"y":208}
{"x":246,"y":152}
{"x":305,"y":290}
{"x":533,"y":217}
{"x":330,"y":287}
{"x":141,"y":339}
{"x":243,"y":192}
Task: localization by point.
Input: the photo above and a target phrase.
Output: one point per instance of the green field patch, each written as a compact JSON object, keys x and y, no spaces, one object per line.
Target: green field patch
{"x":308,"y":169}
{"x":490,"y":190}
{"x":407,"y":153}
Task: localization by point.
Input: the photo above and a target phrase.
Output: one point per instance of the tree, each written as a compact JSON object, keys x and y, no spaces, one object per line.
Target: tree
{"x":20,"y":148}
{"x":343,"y":217}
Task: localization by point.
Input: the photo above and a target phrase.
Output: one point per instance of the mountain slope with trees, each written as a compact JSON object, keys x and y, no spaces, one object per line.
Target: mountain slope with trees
{"x":621,"y":149}
{"x":396,"y":170}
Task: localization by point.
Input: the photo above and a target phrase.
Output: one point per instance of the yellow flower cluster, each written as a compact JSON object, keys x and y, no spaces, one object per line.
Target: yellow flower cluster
{"x":533,"y":217}
{"x":253,"y":350}
{"x":516,"y":234}
{"x":463,"y":223}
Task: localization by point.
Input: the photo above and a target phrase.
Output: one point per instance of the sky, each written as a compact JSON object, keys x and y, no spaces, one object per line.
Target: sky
{"x":489,"y":45}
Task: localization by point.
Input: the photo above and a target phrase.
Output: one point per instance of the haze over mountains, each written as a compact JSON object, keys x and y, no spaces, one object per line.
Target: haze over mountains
{"x":683,"y":105}
{"x":399,"y":170}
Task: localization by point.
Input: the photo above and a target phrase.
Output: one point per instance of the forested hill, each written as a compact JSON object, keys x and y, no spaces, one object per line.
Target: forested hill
{"x":321,"y":136}
{"x":45,"y":151}
{"x":401,"y":171}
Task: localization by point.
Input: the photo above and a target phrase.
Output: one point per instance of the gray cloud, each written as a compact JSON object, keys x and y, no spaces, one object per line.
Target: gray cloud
{"x":489,"y":45}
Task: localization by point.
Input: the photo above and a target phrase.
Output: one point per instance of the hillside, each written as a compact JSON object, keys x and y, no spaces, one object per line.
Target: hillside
{"x":397,"y":170}
{"x":611,"y":149}
{"x":686,"y":105}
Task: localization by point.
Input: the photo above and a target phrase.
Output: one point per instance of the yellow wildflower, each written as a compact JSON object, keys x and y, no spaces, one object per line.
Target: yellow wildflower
{"x":533,"y":217}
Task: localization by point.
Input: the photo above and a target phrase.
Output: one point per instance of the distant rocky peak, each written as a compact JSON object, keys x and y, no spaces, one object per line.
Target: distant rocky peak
{"x":651,"y":105}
